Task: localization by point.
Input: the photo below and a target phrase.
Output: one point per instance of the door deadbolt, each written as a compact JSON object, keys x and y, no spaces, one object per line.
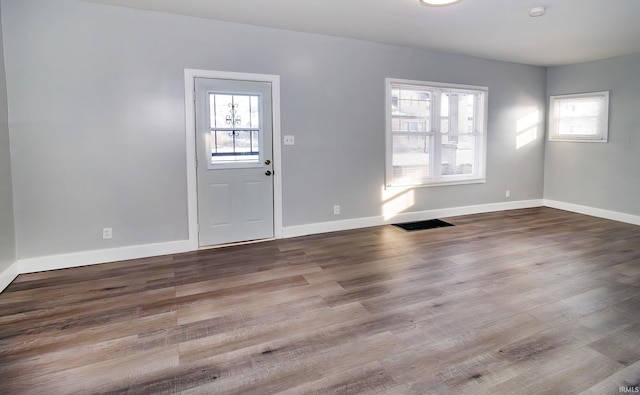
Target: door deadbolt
{"x":267,"y":162}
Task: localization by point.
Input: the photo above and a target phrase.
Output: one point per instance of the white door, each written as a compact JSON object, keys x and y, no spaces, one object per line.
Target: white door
{"x":234,"y":146}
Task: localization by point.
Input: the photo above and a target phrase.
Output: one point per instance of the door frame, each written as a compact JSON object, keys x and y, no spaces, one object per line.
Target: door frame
{"x":190,"y":136}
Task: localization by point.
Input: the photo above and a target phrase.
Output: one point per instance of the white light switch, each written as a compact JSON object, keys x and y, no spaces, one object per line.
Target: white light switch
{"x":289,"y":140}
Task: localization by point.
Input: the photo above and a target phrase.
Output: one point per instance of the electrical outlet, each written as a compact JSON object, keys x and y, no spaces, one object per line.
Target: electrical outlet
{"x":336,"y":209}
{"x":507,"y":193}
{"x":107,"y":233}
{"x":289,"y":140}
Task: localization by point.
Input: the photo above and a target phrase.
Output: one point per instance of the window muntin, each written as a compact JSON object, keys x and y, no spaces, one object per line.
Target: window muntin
{"x":234,"y":123}
{"x":435,"y":133}
{"x":579,"y":117}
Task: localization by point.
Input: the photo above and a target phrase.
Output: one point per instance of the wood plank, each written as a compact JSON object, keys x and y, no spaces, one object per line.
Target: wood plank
{"x":523,"y":301}
{"x":622,"y":346}
{"x":570,"y":372}
{"x":627,"y":378}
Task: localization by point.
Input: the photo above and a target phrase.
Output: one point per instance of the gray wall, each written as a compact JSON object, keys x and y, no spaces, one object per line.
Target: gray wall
{"x":7,"y":231}
{"x":97,"y":120}
{"x":600,"y":175}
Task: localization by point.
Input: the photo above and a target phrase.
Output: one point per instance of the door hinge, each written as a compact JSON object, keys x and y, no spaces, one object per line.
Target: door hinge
{"x":195,"y":163}
{"x":193,"y":95}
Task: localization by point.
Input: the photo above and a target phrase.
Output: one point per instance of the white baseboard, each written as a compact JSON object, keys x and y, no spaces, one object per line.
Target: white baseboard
{"x":85,"y":258}
{"x":594,"y":212}
{"x":334,"y":226}
{"x":8,"y":275}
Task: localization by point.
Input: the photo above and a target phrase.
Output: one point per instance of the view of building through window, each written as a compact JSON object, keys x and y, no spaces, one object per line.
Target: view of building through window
{"x":436,"y":134}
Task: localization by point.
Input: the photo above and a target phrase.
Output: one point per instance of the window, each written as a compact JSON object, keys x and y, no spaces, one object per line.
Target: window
{"x":581,"y":117}
{"x":435,"y":133}
{"x":234,"y":122}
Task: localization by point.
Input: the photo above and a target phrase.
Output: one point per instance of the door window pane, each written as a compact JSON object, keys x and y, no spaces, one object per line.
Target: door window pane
{"x":235,"y":128}
{"x":219,"y":107}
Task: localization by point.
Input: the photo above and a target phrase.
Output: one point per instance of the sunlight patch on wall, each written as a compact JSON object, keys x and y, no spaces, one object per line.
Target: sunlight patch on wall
{"x":527,"y":129}
{"x":396,"y":200}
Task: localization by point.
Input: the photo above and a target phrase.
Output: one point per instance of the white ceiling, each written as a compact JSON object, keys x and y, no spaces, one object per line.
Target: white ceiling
{"x":572,"y":31}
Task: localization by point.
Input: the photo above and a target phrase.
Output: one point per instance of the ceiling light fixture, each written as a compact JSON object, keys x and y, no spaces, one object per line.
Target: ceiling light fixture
{"x":438,"y":3}
{"x":537,"y":11}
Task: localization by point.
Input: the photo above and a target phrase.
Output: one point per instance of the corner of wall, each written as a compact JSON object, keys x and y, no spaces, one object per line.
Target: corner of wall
{"x":8,"y":266}
{"x":87,"y":258}
{"x":594,"y":212}
{"x":545,"y":141}
{"x":8,"y":275}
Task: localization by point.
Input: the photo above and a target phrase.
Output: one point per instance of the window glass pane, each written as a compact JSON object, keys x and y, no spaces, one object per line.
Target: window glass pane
{"x":410,"y":150}
{"x":581,"y":117}
{"x":395,"y":95}
{"x":395,"y":124}
{"x":255,"y":113}
{"x":410,"y":158}
{"x":466,"y":113}
{"x":234,"y":146}
{"x":410,"y":175}
{"x":578,"y":126}
{"x":234,"y":111}
{"x":444,"y":124}
{"x":457,"y":111}
{"x":221,"y":142}
{"x":237,"y":116}
{"x":220,"y":107}
{"x":579,"y":107}
{"x":458,"y":154}
{"x":255,"y":144}
{"x":243,"y":142}
{"x":578,"y":116}
{"x":409,"y":124}
{"x":410,"y":110}
{"x":242,"y":114}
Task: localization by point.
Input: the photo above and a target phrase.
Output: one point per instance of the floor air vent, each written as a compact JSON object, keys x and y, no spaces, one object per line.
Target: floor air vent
{"x":421,"y":225}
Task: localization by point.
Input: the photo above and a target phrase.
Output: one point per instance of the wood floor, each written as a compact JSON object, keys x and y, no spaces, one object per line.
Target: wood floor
{"x":534,"y":301}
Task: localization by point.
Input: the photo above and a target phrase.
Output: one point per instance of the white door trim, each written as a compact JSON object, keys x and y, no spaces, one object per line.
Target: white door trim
{"x":190,"y":134}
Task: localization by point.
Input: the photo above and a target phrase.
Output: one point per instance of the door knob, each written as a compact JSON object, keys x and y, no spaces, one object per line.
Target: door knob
{"x":267,"y":162}
{"x":268,"y":172}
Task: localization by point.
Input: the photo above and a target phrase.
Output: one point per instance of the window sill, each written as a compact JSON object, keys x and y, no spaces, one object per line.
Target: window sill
{"x":439,"y":183}
{"x":579,"y":139}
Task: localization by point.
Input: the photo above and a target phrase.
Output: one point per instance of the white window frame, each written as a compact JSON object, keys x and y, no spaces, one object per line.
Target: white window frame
{"x":600,"y":135}
{"x":480,"y":133}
